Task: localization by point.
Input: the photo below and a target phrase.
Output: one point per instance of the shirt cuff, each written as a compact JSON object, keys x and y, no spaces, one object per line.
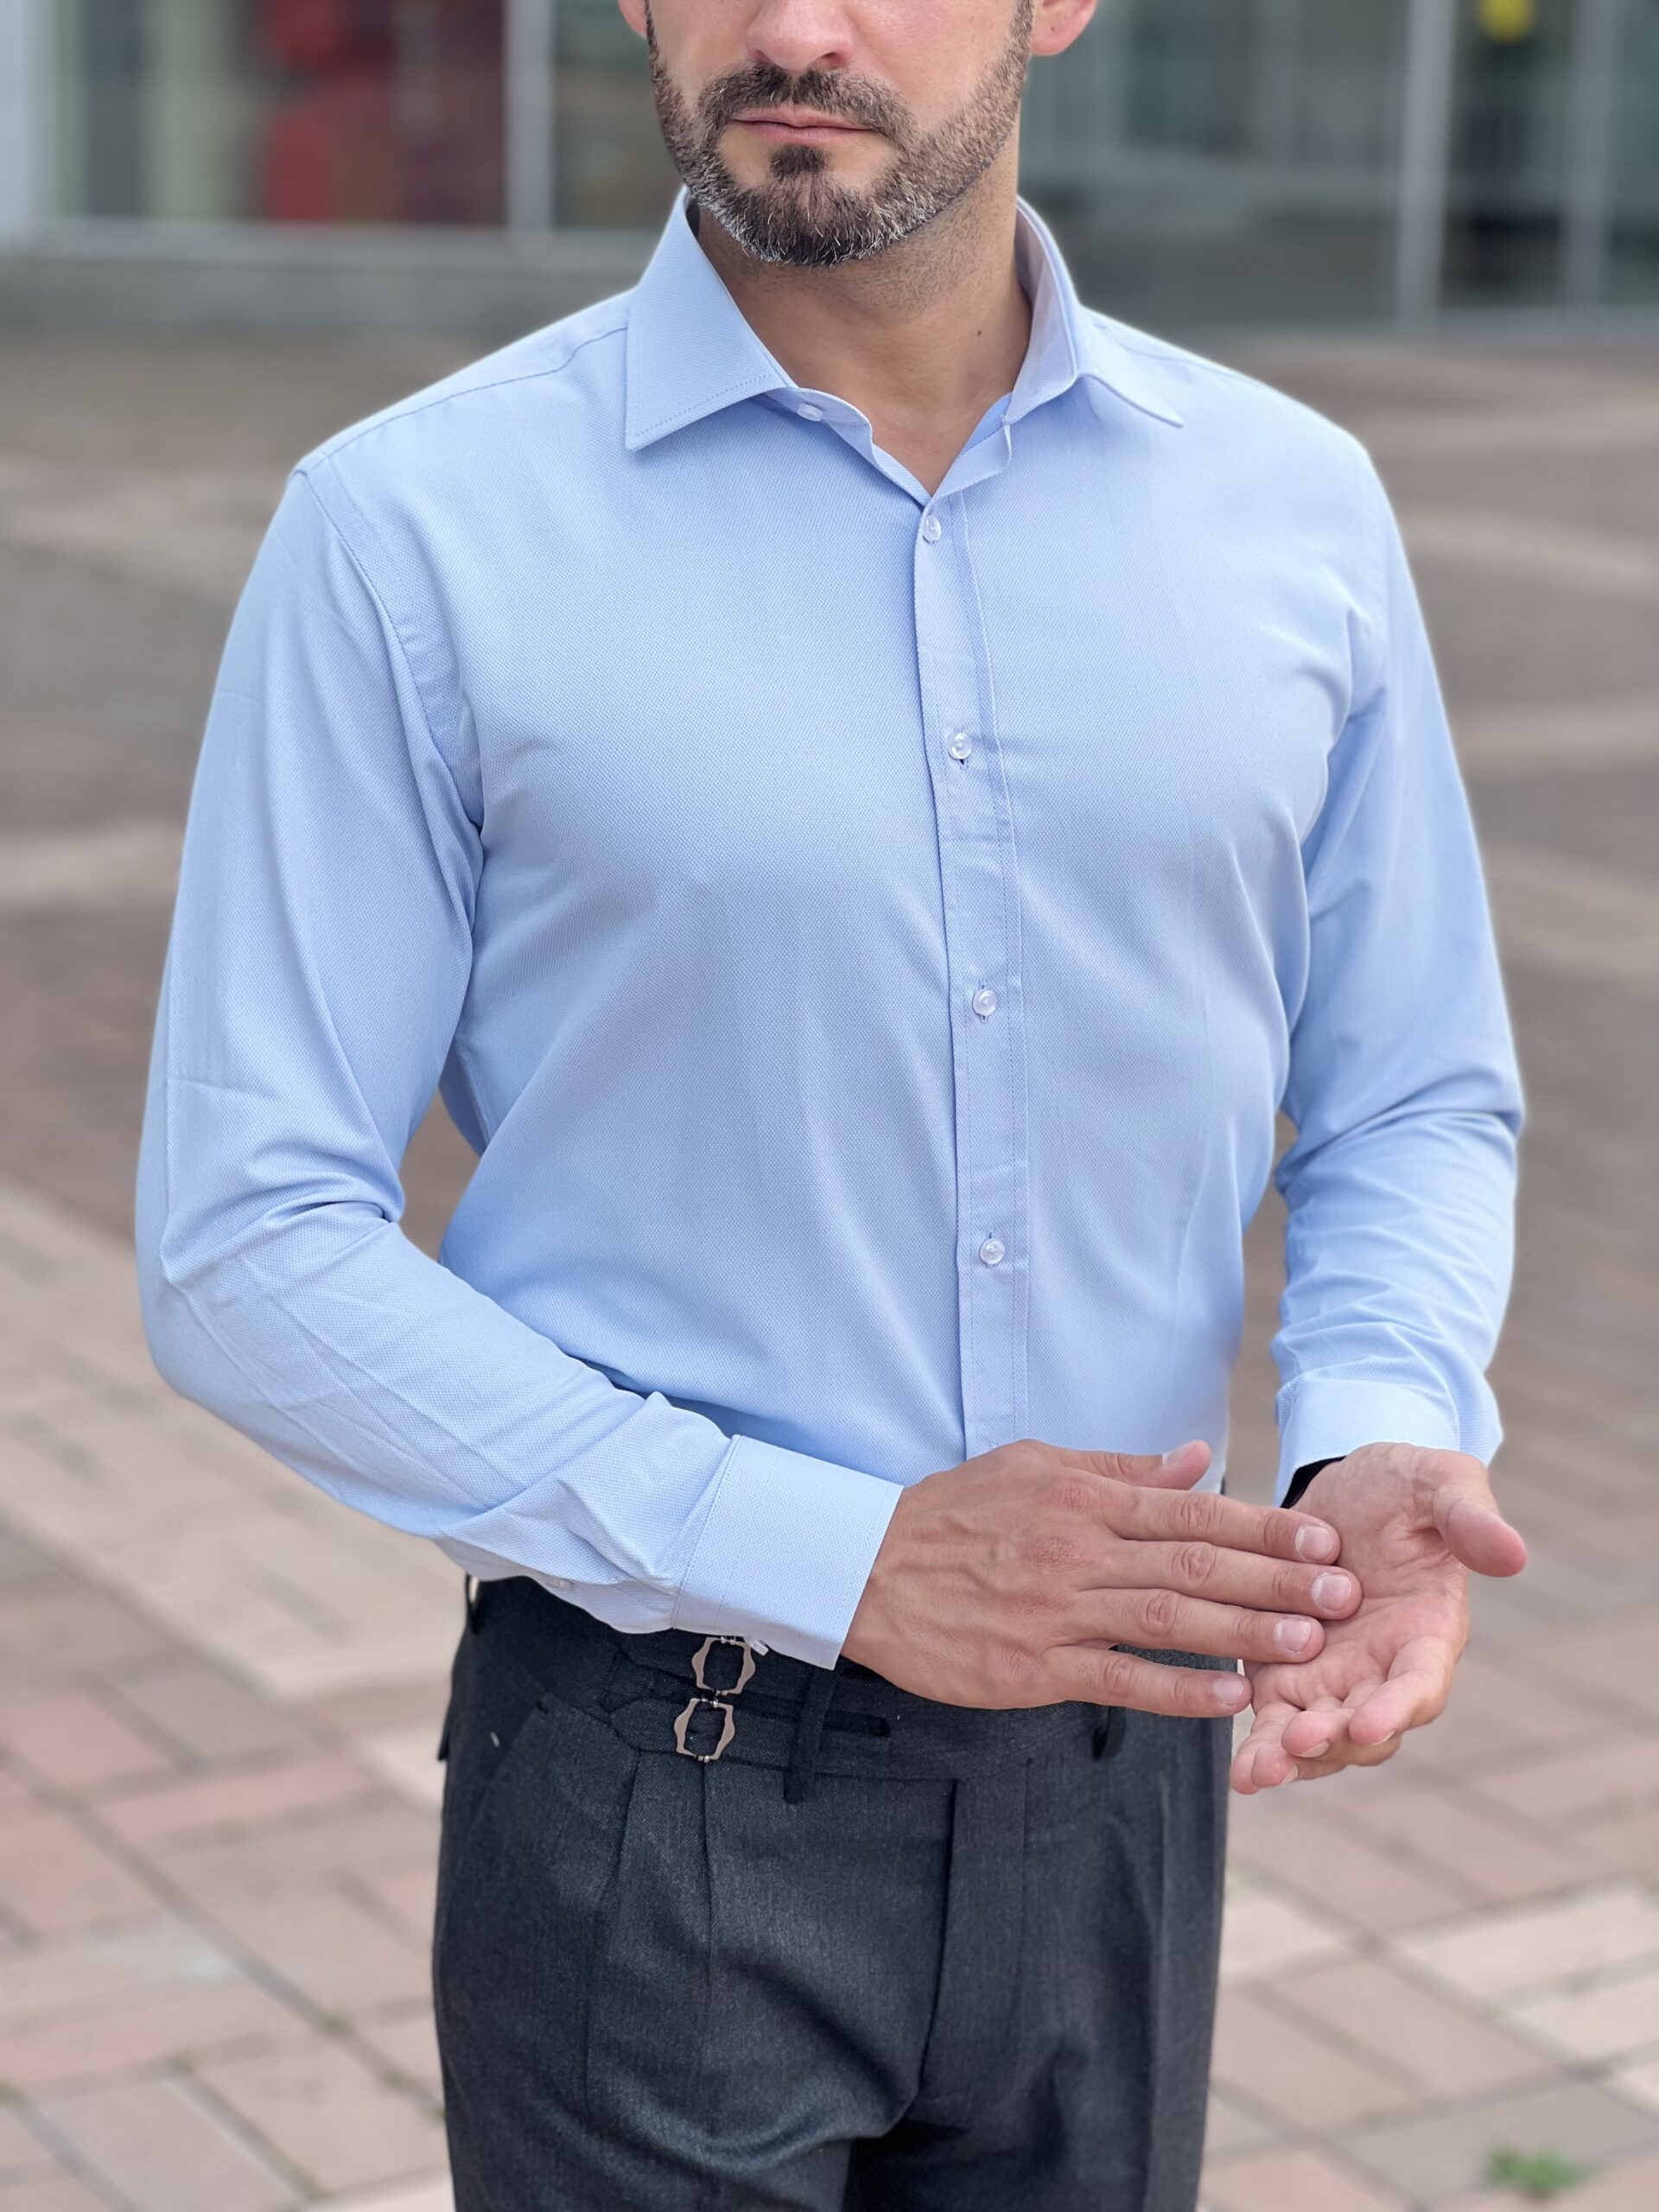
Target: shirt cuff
{"x":1321,"y":1419}
{"x":785,"y":1551}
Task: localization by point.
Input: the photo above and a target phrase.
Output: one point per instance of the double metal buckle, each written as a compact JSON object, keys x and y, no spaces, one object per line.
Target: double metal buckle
{"x":707,"y":1694}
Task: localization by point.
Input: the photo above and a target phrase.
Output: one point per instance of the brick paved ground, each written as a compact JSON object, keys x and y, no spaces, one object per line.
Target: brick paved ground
{"x":219,"y":1691}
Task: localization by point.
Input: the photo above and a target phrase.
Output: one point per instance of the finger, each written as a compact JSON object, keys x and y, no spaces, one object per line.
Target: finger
{"x":1098,"y":1674}
{"x":1414,"y":1693}
{"x":1175,"y":1470}
{"x":1260,"y":1762}
{"x":1205,"y":1516}
{"x":1339,"y":1762}
{"x":1467,"y":1514}
{"x":1165,"y":1620}
{"x":1322,"y":1730}
{"x":1232,"y":1577}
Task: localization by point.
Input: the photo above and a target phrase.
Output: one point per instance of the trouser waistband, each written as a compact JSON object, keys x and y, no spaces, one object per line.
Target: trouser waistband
{"x":713,"y":1697}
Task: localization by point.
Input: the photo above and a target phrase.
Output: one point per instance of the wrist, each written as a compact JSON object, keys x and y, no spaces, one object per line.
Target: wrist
{"x":1304,"y":1475}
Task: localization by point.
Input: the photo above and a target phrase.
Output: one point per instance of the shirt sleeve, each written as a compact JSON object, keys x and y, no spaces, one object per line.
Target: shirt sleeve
{"x":1404,"y":1085}
{"x":316,"y":974}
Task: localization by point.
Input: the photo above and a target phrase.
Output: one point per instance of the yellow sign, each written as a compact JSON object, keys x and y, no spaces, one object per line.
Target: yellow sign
{"x":1506,"y":21}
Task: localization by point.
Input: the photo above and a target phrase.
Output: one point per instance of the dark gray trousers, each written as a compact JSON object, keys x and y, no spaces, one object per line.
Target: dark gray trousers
{"x":880,"y":1955}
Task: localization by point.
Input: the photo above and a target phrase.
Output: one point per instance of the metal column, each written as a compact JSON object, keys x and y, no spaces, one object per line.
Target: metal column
{"x":1592,"y":147}
{"x":528,"y":63}
{"x":1425,"y":157}
{"x":25,"y":114}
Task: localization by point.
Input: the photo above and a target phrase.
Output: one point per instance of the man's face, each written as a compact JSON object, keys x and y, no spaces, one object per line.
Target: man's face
{"x":924,"y":95}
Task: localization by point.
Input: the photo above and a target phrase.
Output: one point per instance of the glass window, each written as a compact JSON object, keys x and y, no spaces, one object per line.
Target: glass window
{"x":1224,"y":160}
{"x":1214,"y":158}
{"x":1506,"y":189}
{"x":611,"y":168}
{"x":285,"y":111}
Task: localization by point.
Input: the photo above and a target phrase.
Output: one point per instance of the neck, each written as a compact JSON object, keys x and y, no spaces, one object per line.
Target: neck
{"x":935,"y":326}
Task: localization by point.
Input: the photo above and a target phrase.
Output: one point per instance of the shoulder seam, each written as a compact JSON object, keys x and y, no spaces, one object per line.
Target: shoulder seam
{"x":344,"y":440}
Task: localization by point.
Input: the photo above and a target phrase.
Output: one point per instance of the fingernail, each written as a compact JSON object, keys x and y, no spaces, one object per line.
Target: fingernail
{"x":1233,"y":1692}
{"x":1293,"y":1636}
{"x":1333,"y":1589}
{"x":1170,"y":1456}
{"x":1315,"y":1540}
{"x":1317,"y":1751}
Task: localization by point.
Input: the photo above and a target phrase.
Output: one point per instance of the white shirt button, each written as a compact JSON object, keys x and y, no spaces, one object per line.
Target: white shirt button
{"x":560,"y":1581}
{"x":932,"y":529}
{"x":813,"y":414}
{"x":960,"y":745}
{"x":991,"y":1250}
{"x":985,"y":1000}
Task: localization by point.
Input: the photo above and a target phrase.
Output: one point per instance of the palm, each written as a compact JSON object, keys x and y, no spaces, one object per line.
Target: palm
{"x":1392,"y":1659}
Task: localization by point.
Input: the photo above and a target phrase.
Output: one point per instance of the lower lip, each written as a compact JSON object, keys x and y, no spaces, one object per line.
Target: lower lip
{"x":806,"y":134}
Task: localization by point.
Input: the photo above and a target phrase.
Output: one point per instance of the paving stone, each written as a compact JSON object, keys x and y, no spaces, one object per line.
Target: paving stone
{"x":338,"y":1953}
{"x":164,"y":2150}
{"x":1582,"y":1784}
{"x":1630,"y":2187}
{"x":206,"y":1712}
{"x":1613,"y":2019}
{"x":1440,"y":2152}
{"x":406,"y":1758}
{"x":58,"y":2192}
{"x":1489,"y":1856}
{"x":54,"y":1878}
{"x":114,"y":2037}
{"x":116,"y":1966}
{"x":1292,"y":2181}
{"x":72,"y":1738}
{"x":1292,"y":2070}
{"x":1233,"y":2125}
{"x":1264,"y":1932}
{"x":408,"y":1893}
{"x":251,"y":1800}
{"x":1346,"y":1876}
{"x":406,"y":2038}
{"x":21,"y":2151}
{"x":21,"y":1561}
{"x":1444,"y":2049}
{"x":1625,"y":1844}
{"x":433,"y":2196}
{"x":304,"y":1853}
{"x":324,"y":2110}
{"x":1499,"y":1954}
{"x":17,"y":1801}
{"x":54,"y":1631}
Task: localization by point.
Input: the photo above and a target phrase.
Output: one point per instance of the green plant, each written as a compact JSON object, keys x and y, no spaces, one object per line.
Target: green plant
{"x":1537,"y":2174}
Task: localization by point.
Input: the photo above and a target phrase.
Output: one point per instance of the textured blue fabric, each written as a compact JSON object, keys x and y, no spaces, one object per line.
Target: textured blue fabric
{"x":659,"y":769}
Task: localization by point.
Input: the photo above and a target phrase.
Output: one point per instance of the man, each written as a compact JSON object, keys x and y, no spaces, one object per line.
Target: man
{"x":867,"y":783}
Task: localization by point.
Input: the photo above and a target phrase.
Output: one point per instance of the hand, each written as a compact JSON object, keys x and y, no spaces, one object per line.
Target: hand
{"x":1413,"y":1521}
{"x":1008,"y":1581}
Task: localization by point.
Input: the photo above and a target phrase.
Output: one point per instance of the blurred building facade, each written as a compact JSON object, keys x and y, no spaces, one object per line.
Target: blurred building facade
{"x":1217,"y":161}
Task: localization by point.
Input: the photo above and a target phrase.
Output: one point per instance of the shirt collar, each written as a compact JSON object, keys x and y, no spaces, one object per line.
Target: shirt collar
{"x":691,"y":350}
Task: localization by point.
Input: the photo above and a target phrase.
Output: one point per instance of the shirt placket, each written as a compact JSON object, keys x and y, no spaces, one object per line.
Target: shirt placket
{"x":980,"y":881}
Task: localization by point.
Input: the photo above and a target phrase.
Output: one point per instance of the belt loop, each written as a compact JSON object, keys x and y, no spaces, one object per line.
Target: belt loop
{"x":1108,"y":1733}
{"x":808,"y":1726}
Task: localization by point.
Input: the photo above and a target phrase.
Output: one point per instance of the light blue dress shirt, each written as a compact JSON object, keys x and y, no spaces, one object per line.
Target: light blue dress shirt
{"x":865,"y":936}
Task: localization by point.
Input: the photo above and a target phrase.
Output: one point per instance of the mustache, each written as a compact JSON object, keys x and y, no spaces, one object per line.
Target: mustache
{"x":834,"y":98}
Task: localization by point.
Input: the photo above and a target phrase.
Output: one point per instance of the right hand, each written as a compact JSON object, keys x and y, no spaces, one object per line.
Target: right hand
{"x":1009,"y":1581}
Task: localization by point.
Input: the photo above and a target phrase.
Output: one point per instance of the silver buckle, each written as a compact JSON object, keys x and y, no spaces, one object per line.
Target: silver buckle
{"x":682,"y":1721}
{"x":702,"y":1653}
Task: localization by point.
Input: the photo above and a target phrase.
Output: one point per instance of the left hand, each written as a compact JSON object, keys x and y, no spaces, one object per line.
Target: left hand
{"x":1413,"y":1523}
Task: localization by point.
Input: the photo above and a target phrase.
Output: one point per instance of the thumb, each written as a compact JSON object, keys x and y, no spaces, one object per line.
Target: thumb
{"x":1177,"y":1470}
{"x":1466,"y":1513}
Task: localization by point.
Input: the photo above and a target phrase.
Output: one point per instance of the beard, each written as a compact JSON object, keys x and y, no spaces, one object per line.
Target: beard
{"x":803,"y":213}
